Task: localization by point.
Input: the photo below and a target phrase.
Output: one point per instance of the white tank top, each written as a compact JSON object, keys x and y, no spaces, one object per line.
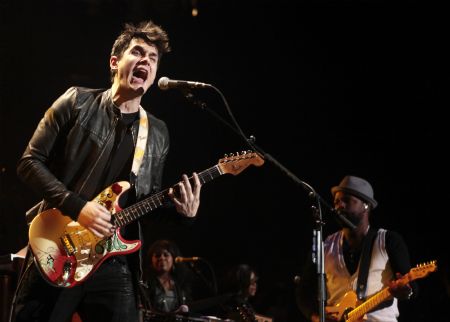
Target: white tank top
{"x":339,"y":280}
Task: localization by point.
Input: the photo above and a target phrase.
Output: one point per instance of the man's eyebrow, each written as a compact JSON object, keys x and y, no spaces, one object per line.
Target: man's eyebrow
{"x":142,"y":50}
{"x":138,"y":47}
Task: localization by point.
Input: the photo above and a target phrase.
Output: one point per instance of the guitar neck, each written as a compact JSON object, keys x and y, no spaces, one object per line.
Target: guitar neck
{"x":141,"y":208}
{"x":370,"y":304}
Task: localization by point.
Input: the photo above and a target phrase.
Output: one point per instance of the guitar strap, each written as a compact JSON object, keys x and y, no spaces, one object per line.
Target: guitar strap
{"x":141,"y":141}
{"x":364,"y":263}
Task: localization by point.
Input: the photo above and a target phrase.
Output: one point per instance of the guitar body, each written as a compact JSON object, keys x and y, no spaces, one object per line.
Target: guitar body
{"x":350,"y":309}
{"x":65,"y":252}
{"x":346,"y":305}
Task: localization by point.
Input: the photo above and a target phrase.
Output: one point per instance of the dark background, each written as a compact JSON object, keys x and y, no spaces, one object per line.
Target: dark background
{"x":328,"y":88}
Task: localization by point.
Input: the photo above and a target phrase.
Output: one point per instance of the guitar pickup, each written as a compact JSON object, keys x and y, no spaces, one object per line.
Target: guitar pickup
{"x":68,"y":245}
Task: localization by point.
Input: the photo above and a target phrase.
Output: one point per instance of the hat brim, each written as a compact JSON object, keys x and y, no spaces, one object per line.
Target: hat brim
{"x":373,"y":203}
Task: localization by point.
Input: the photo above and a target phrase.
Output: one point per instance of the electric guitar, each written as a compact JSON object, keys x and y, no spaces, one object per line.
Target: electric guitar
{"x":67,"y":253}
{"x":349,"y":310}
{"x":246,"y":313}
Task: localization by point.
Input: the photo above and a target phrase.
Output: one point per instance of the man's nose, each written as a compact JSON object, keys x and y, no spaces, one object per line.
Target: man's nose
{"x":339,"y":204}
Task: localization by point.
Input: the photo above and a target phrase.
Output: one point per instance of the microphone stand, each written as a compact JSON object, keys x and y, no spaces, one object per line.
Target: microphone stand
{"x":317,"y":247}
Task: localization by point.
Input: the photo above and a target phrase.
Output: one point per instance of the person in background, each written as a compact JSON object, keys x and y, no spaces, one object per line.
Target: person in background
{"x":168,"y":286}
{"x":241,"y":284}
{"x":389,"y":258}
{"x":88,"y":140}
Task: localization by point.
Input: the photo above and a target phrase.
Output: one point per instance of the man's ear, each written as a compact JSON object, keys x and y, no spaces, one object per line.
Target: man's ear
{"x":113,"y":61}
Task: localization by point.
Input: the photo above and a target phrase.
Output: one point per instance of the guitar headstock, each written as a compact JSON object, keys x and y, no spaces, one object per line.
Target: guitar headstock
{"x":423,"y":270}
{"x":236,"y":163}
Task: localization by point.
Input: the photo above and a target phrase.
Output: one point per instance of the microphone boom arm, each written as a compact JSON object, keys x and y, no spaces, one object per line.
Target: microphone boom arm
{"x":318,"y":234}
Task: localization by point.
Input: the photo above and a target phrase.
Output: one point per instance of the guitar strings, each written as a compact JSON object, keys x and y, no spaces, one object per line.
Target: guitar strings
{"x":129,"y":214}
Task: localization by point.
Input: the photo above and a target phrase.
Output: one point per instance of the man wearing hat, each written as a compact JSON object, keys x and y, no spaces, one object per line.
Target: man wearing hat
{"x":384,"y":256}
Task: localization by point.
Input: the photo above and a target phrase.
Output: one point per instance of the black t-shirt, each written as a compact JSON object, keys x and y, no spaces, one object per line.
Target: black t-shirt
{"x":121,"y":158}
{"x":120,"y":162}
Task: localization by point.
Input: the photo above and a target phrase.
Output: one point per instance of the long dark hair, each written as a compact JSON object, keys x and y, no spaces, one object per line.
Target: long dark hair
{"x":238,"y":279}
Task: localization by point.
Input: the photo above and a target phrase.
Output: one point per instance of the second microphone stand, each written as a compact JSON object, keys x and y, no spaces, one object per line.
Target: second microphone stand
{"x":317,"y":247}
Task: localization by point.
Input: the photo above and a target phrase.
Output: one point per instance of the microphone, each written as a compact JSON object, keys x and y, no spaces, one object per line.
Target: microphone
{"x":180,"y":259}
{"x":341,"y":212}
{"x":343,"y":218}
{"x":166,"y":83}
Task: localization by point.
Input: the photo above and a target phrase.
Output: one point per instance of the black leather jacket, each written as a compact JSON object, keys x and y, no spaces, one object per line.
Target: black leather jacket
{"x":71,"y":145}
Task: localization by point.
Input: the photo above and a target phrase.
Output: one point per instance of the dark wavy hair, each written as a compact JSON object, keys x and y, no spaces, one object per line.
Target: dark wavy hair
{"x":148,"y":31}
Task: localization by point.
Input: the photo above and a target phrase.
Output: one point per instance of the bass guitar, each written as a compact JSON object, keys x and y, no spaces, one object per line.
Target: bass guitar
{"x":67,"y":253}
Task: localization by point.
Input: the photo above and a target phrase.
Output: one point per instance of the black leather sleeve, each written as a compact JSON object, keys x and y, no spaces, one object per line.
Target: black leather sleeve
{"x":34,"y":165}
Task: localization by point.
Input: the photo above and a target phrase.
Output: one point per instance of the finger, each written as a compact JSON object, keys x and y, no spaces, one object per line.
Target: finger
{"x":100,"y":207}
{"x":95,"y":232}
{"x":173,"y":197}
{"x":186,"y":181}
{"x":183,"y":190}
{"x":188,"y":185}
{"x":104,"y":214}
{"x":197,"y":185}
{"x":104,"y":230}
{"x":104,"y":221}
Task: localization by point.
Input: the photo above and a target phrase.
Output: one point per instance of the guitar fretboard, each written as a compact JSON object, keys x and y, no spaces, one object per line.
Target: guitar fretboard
{"x":367,"y":306}
{"x":139,"y":209}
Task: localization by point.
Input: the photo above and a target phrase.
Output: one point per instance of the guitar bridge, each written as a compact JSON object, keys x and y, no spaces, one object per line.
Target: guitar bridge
{"x":68,"y":245}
